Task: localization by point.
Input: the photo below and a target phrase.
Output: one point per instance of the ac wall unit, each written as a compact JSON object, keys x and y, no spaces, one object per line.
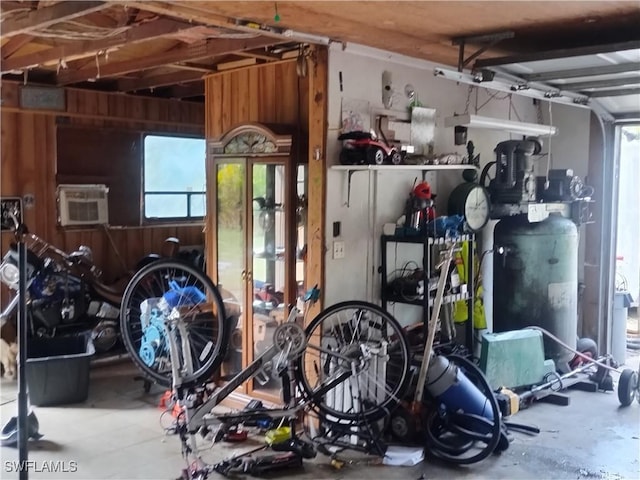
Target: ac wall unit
{"x":83,"y":204}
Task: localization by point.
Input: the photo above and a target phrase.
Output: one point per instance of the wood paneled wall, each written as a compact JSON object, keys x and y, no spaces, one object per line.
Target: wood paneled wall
{"x":28,"y":153}
{"x":275,"y":94}
{"x":270,"y":93}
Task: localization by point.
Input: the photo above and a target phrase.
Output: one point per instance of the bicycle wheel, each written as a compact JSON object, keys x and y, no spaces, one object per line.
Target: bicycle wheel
{"x":355,"y":367}
{"x":171,"y":297}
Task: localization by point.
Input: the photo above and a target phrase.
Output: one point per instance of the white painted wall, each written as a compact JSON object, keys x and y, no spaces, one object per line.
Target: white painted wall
{"x":356,"y":276}
{"x":378,"y":197}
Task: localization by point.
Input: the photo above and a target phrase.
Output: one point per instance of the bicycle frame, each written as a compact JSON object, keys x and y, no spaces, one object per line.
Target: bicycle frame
{"x":198,"y":416}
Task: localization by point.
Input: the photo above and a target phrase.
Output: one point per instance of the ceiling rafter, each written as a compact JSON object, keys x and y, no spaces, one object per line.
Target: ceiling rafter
{"x":144,"y":32}
{"x":194,"y":67}
{"x":188,"y":12}
{"x":209,"y":48}
{"x":261,"y":55}
{"x":158,"y":81}
{"x":13,"y":45}
{"x":47,"y":16}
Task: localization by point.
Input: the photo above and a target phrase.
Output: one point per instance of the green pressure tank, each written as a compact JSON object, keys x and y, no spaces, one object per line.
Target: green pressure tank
{"x":535,"y":279}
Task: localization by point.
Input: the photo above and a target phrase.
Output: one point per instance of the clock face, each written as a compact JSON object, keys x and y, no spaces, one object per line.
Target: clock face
{"x":476,"y":208}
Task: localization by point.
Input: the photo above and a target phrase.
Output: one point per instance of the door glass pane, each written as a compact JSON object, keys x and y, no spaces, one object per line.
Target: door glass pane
{"x":301,"y":233}
{"x":230,"y":195}
{"x":268,"y":262}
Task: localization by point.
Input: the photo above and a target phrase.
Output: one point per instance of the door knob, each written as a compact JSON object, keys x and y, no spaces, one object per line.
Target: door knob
{"x":243,"y":275}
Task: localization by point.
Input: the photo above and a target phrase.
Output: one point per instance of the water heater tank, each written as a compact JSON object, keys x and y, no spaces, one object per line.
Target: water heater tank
{"x":535,"y":279}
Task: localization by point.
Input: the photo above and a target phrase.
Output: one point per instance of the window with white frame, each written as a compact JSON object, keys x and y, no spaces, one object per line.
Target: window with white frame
{"x":174,"y":178}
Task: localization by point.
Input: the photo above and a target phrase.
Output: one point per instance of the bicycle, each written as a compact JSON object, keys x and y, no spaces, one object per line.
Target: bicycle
{"x":350,"y":365}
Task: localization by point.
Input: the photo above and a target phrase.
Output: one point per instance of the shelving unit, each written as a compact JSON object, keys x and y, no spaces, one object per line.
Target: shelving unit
{"x":425,"y":301}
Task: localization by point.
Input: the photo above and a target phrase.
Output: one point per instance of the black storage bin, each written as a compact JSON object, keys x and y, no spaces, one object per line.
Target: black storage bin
{"x":58,"y":369}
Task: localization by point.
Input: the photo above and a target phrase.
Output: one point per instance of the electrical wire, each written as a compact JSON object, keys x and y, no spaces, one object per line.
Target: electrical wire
{"x":573,"y":350}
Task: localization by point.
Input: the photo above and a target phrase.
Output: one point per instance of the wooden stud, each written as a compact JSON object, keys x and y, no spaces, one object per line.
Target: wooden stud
{"x":317,"y":129}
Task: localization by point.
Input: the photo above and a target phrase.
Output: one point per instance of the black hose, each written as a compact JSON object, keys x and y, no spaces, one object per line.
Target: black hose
{"x":442,"y":429}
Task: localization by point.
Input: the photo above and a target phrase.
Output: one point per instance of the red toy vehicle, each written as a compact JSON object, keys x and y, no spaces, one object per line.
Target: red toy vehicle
{"x":361,"y":148}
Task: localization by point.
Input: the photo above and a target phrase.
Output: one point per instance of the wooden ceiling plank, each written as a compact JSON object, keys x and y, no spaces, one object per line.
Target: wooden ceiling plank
{"x":159,"y":81}
{"x":261,"y":55}
{"x":187,"y":53}
{"x":147,"y":31}
{"x":13,"y":45}
{"x":45,"y":17}
{"x":244,"y":62}
{"x":189,"y":12}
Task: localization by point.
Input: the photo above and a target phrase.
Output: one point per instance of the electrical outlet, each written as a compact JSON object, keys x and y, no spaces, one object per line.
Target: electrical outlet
{"x":338,"y":250}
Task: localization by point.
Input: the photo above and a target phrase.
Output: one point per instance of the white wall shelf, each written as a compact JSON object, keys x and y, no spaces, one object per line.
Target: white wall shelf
{"x":463,"y":166}
{"x":351,"y":169}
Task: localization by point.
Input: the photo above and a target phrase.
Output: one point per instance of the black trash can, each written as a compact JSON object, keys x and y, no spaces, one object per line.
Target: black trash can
{"x":58,"y":369}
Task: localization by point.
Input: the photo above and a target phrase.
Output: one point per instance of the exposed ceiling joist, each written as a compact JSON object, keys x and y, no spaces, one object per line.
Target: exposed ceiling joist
{"x":244,"y":62}
{"x":144,"y":32}
{"x":261,"y":55}
{"x":47,"y":16}
{"x":159,"y":81}
{"x":582,"y":72}
{"x":210,"y":48}
{"x":190,"y":11}
{"x":13,"y":45}
{"x":613,"y":82}
{"x":194,"y":67}
{"x":614,"y":92}
{"x":556,"y":54}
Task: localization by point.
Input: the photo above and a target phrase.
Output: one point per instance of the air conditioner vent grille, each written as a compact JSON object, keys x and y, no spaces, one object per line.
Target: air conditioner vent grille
{"x":83,"y":204}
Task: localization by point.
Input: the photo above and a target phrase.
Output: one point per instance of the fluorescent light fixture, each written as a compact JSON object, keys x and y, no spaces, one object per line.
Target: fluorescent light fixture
{"x":477,"y":121}
{"x":306,"y":37}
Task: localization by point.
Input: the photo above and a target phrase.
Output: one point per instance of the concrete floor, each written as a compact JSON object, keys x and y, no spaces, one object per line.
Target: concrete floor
{"x":117,"y":434}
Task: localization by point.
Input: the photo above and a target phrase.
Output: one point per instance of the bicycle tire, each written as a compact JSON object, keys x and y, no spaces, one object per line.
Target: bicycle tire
{"x":208,"y":316}
{"x":396,"y":371}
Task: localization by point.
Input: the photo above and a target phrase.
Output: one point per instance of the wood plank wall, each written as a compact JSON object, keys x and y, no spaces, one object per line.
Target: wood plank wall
{"x":28,"y":153}
{"x":266,"y":94}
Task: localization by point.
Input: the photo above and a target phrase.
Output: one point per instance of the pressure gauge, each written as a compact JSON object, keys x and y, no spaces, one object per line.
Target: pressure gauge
{"x":471,"y":201}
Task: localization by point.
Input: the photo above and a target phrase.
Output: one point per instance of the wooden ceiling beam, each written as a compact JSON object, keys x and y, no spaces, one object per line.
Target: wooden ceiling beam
{"x":269,"y":57}
{"x":210,"y":48}
{"x":13,"y":45}
{"x":191,"y":11}
{"x":47,"y":16}
{"x":230,"y":65}
{"x":159,"y":81}
{"x":144,"y":32}
{"x":194,"y":67}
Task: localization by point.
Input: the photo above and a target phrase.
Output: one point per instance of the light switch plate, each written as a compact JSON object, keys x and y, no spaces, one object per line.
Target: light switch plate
{"x":338,"y":250}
